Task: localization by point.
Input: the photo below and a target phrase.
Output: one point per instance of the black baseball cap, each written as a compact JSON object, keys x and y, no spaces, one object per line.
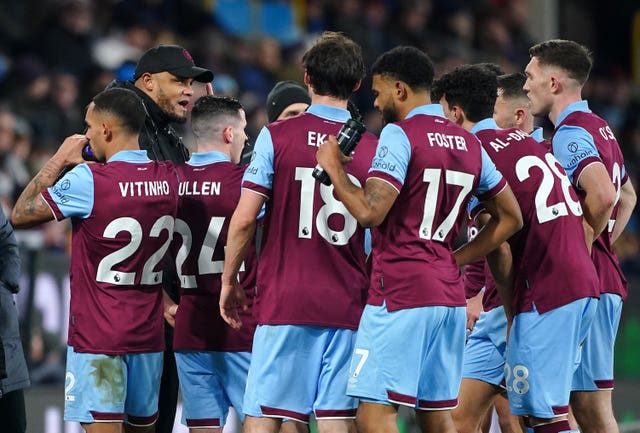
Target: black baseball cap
{"x":173,"y":59}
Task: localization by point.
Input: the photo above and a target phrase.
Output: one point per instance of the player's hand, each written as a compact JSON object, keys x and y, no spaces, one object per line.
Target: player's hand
{"x":70,"y":151}
{"x":232,"y":297}
{"x":170,"y":311}
{"x":329,"y":154}
{"x":474,"y":308}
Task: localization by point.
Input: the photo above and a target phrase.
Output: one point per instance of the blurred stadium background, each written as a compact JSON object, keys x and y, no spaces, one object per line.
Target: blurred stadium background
{"x":56,"y":54}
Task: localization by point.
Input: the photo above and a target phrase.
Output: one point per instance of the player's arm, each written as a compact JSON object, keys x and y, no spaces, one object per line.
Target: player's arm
{"x":368,"y":205}
{"x":626,"y":204}
{"x":506,"y":219}
{"x":242,"y":228}
{"x":598,"y":201}
{"x":500,"y":263}
{"x":474,"y":308}
{"x":31,"y":209}
{"x":170,"y":309}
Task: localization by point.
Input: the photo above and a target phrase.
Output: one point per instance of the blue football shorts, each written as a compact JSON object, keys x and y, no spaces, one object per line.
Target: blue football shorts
{"x":595,"y":372}
{"x":112,"y":388}
{"x":411,"y":357}
{"x":210,"y":382}
{"x":542,"y":355}
{"x":484,"y":352}
{"x":297,"y":370}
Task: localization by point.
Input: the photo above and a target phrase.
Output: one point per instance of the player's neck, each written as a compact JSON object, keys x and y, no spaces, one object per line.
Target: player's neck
{"x":213,"y":147}
{"x":561,"y":102}
{"x":328,"y":100}
{"x":128,"y":143}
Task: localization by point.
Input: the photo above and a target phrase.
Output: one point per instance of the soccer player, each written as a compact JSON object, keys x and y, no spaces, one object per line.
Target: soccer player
{"x":513,"y":107}
{"x":122,"y":211}
{"x":163,"y":78}
{"x":412,"y":332}
{"x":554,"y":283}
{"x":311,"y":273}
{"x":587,"y":149}
{"x":212,"y":358}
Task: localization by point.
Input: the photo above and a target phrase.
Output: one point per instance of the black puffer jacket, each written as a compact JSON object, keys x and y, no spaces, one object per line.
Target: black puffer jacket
{"x":158,"y":137}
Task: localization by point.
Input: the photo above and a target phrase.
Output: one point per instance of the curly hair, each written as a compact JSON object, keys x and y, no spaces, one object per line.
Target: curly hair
{"x":473,"y":88}
{"x":407,"y":64}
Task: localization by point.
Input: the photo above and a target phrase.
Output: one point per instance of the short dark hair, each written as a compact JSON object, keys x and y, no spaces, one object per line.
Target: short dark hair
{"x":407,"y":64}
{"x":208,"y":109}
{"x":512,"y":85}
{"x":574,"y":58}
{"x":492,"y":67}
{"x":436,"y":91}
{"x":335,"y":65}
{"x":123,"y":104}
{"x":473,"y":88}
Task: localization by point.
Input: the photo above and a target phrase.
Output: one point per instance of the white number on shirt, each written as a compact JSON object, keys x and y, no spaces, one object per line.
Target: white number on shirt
{"x":551,"y":173}
{"x":106,"y":273}
{"x":331,"y":206}
{"x":206,"y":264}
{"x":432,"y":178}
{"x":616,"y":178}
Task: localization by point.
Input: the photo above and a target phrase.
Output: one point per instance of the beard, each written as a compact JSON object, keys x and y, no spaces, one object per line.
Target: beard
{"x":390,"y":115}
{"x":168,"y":109}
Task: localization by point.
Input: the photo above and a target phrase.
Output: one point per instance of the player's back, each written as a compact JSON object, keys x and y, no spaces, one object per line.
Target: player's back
{"x":312,"y":265}
{"x":612,"y":280}
{"x":413,"y":263}
{"x":117,"y":255}
{"x":551,"y":261}
{"x":209,"y":191}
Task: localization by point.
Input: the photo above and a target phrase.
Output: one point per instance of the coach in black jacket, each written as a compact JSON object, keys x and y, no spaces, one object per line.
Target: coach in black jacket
{"x":13,"y":368}
{"x":163,"y":78}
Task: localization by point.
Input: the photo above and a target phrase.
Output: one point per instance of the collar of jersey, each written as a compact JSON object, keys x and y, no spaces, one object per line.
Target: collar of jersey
{"x":430,"y":109}
{"x":202,"y":158}
{"x":487,"y":123}
{"x":130,"y":156}
{"x":329,"y":112}
{"x":573,"y":107}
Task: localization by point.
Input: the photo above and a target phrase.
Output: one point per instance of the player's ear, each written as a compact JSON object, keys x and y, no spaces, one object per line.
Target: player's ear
{"x":227,"y":134}
{"x":401,"y":90}
{"x":519,"y":115}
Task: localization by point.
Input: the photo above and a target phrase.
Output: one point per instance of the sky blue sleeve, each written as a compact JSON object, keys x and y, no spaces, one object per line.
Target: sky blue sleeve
{"x":572,"y":144}
{"x":393,"y":153}
{"x":260,"y":170}
{"x":73,"y":193}
{"x":473,"y":203}
{"x":490,"y":177}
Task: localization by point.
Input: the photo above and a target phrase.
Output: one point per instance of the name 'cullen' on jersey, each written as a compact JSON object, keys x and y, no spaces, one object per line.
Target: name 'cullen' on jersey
{"x":209,"y":192}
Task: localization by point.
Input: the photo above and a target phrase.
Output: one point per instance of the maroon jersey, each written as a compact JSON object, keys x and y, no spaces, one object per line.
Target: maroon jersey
{"x":413,"y":261}
{"x":477,"y":276}
{"x":551,"y":262}
{"x":611,"y":278}
{"x":209,"y":192}
{"x":117,"y":254}
{"x":312,"y":265}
